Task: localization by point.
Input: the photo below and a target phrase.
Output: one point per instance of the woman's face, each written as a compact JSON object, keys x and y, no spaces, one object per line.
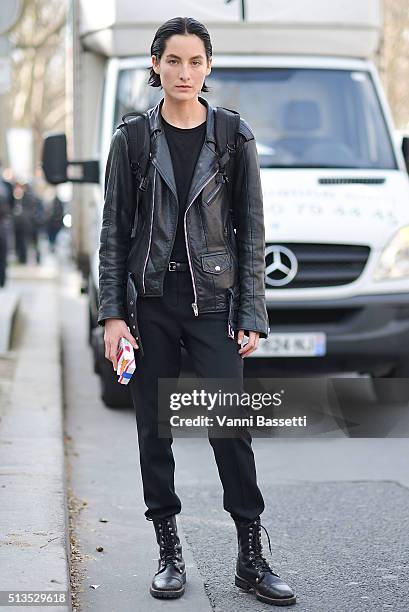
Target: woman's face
{"x":183,"y":66}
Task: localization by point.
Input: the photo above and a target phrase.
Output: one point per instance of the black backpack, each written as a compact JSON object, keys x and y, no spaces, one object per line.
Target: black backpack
{"x":226,"y":126}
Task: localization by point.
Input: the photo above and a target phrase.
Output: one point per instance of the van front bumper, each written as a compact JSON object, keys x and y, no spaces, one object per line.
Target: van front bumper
{"x":368,"y":333}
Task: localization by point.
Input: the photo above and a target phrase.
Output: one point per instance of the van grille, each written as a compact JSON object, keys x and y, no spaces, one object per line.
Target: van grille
{"x":319,"y":265}
{"x":352,"y":180}
{"x":312,"y":316}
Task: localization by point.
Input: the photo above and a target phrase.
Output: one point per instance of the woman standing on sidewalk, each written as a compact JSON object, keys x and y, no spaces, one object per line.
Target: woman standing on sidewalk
{"x":194,"y":281}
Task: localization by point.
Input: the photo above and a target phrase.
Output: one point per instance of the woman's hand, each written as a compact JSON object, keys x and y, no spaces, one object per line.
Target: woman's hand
{"x":115,"y":329}
{"x":251,"y":345}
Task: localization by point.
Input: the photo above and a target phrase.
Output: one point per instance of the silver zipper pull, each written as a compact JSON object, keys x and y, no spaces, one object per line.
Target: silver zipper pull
{"x":195,"y":309}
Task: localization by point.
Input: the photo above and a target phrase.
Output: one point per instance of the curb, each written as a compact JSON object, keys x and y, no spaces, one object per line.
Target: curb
{"x":34,"y":546}
{"x":9,"y":301}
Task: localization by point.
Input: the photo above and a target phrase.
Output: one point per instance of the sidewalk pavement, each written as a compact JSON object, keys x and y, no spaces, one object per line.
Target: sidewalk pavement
{"x":34,"y":547}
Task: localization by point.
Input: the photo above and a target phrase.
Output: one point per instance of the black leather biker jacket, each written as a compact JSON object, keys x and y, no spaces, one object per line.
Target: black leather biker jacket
{"x":227,"y":267}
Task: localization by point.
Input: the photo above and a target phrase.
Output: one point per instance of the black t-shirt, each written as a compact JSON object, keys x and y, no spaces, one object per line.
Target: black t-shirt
{"x":184,"y":145}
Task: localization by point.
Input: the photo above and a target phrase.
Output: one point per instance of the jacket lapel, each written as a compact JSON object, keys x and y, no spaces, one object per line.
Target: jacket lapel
{"x":163,"y":162}
{"x":207,"y":161}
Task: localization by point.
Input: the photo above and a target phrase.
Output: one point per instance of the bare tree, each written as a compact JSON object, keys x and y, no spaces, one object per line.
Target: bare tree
{"x":395,"y":59}
{"x":38,"y":91}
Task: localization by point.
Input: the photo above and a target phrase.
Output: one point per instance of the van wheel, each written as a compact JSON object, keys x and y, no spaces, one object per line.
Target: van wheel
{"x":91,"y":326}
{"x":113,"y":394}
{"x":394,"y":387}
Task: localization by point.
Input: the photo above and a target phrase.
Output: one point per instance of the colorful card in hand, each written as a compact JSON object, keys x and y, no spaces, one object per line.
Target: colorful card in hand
{"x":126,"y":361}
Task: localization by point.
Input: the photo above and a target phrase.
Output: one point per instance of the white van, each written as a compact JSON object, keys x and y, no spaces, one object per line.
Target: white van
{"x":335,"y":184}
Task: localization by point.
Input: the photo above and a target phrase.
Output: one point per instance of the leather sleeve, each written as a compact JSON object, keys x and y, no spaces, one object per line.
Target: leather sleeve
{"x":250,"y":235}
{"x":119,"y":198}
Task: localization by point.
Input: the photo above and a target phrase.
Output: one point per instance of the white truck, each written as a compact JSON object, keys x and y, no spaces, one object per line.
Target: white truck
{"x":335,"y":183}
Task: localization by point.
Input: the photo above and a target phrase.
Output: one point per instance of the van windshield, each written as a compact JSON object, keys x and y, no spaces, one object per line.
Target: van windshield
{"x":303,"y":118}
{"x":308,"y":117}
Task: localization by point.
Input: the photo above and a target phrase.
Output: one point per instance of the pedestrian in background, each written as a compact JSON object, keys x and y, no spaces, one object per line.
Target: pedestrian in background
{"x":21,"y":223}
{"x":4,"y":215}
{"x":33,"y":208}
{"x":54,"y":221}
{"x":6,"y":207}
{"x":5,"y":178}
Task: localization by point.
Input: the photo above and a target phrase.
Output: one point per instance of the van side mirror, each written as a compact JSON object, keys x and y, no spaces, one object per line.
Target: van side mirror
{"x":54,"y":161}
{"x":57,"y":169}
{"x":405,"y":151}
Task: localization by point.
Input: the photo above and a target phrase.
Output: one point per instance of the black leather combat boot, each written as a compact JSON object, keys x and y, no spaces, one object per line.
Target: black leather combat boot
{"x":252,"y":570}
{"x":169,"y":580}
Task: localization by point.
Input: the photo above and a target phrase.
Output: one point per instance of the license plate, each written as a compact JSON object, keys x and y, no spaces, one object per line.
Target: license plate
{"x":292,"y":345}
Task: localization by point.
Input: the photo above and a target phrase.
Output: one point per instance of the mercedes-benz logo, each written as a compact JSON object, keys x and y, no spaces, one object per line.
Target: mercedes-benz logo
{"x":281,"y":265}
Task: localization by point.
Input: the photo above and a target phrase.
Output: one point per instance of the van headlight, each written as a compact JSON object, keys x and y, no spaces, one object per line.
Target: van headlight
{"x":394,"y":260}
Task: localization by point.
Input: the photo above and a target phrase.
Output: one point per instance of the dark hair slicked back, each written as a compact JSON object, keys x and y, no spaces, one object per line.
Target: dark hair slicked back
{"x":177,"y":25}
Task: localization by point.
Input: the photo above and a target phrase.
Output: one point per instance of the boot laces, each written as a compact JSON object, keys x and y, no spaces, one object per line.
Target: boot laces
{"x":168,"y":544}
{"x":258,"y":561}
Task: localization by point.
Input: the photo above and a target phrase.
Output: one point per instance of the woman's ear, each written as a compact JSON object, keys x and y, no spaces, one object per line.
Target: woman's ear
{"x":209,"y":67}
{"x":155,"y":64}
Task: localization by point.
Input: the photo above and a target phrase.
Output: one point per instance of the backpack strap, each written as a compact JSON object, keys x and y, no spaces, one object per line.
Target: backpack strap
{"x":137,"y":129}
{"x":227,"y":124}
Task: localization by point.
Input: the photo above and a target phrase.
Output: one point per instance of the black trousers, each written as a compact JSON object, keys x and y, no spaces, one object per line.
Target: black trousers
{"x":163,"y":321}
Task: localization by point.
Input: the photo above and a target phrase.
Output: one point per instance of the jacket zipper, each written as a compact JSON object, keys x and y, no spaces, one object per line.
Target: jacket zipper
{"x":213,"y":194}
{"x":150,"y":235}
{"x":194,"y":305}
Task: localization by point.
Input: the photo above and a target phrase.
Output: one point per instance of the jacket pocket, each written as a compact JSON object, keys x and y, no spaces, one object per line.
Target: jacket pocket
{"x":131,"y":303}
{"x":216,"y":263}
{"x":209,"y":198}
{"x":210,"y":192}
